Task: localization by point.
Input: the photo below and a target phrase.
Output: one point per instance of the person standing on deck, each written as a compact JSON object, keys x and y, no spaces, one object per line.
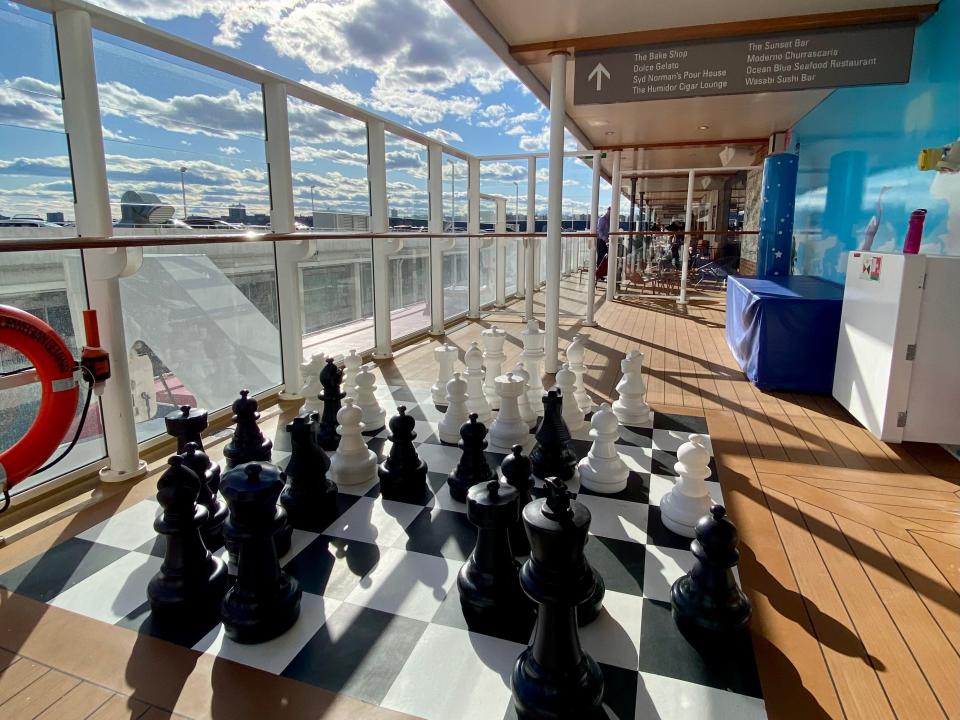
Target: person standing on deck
{"x":603,"y":235}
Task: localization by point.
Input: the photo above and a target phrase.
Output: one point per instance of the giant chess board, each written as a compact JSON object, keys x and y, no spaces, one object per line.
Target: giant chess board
{"x":381,"y":620}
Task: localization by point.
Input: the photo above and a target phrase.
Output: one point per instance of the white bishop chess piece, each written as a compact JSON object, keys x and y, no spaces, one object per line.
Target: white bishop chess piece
{"x":527,"y":412}
{"x":353,"y":462}
{"x":631,"y":404}
{"x":509,"y":429}
{"x":374,"y":416}
{"x":312,"y":389}
{"x":689,"y":500}
{"x":457,"y":414}
{"x":532,"y":356}
{"x":476,"y":400}
{"x":603,"y":470}
{"x":576,"y":351}
{"x":446,"y":357}
{"x":351,"y":366}
{"x":570,"y":411}
{"x":493,"y":357}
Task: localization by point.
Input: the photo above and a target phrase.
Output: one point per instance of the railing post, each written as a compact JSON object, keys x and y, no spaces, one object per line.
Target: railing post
{"x":377,"y":178}
{"x":530,"y":242}
{"x":588,"y":320}
{"x":435,"y":227}
{"x":473,"y":229}
{"x":688,"y":227}
{"x":613,"y":242}
{"x":500,"y":228}
{"x":551,"y":322}
{"x":519,"y":250}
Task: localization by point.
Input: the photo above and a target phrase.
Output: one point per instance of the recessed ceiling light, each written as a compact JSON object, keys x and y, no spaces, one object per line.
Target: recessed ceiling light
{"x":704,"y":127}
{"x":609,"y":132}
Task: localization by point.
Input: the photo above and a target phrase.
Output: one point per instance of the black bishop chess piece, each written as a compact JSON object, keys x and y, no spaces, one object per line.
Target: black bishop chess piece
{"x":489,"y":581}
{"x":473,"y":467}
{"x":209,"y":473}
{"x":191,"y":582}
{"x":517,"y":472}
{"x":553,"y":678}
{"x":265,"y":601}
{"x":403,"y":475}
{"x":707,"y":602}
{"x":248,"y":443}
{"x":309,"y":497}
{"x":331,"y":377}
{"x":552,"y":456}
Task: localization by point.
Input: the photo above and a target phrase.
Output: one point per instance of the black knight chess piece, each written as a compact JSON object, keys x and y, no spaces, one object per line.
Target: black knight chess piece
{"x":517,"y":472}
{"x":265,"y":601}
{"x":473,"y":467}
{"x":553,"y":679}
{"x":209,"y":472}
{"x":309,"y":497}
{"x":331,"y":377}
{"x":552,"y":456}
{"x":248,"y":443}
{"x":403,"y":475}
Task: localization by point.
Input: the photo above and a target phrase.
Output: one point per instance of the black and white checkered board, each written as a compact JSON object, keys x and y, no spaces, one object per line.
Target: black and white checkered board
{"x":381,"y":619}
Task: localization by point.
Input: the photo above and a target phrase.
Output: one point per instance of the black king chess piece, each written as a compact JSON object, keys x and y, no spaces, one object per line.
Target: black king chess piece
{"x":403,"y":475}
{"x":552,"y":456}
{"x":553,"y":679}
{"x":309,"y":497}
{"x":265,"y":601}
{"x":707,"y":603}
{"x":191,"y":582}
{"x":282,"y":529}
{"x":248,"y":443}
{"x":518,"y":473}
{"x":209,"y":472}
{"x":472,"y":467}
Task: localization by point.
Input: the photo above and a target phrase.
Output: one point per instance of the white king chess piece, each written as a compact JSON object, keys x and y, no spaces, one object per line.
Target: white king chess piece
{"x":509,"y":429}
{"x":312,"y":389}
{"x":476,"y":400}
{"x":456,"y":415}
{"x":446,"y":357}
{"x":532,"y":356}
{"x":575,"y":352}
{"x":689,"y":500}
{"x":492,"y":339}
{"x":631,"y":404}
{"x":570,"y":410}
{"x":374,"y":416}
{"x":527,"y":412}
{"x":351,"y":366}
{"x":603,"y":470}
{"x":353,"y":462}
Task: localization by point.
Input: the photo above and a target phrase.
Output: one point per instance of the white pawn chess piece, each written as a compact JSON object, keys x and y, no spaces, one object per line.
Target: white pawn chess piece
{"x":570,"y":410}
{"x":351,"y":366}
{"x":457,"y":414}
{"x":312,"y":389}
{"x":527,"y":412}
{"x":353,"y":462}
{"x":476,"y":400}
{"x":575,"y":352}
{"x":532,"y":356}
{"x":374,"y":416}
{"x":631,"y":404}
{"x":689,"y":500}
{"x":603,"y":470}
{"x":446,"y":356}
{"x":493,"y":357}
{"x":509,"y":428}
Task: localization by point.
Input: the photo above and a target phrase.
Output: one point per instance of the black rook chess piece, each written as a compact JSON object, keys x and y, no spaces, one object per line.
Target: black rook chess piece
{"x":191,"y":582}
{"x":265,"y":601}
{"x":707,"y":601}
{"x":331,"y":377}
{"x":403,"y":475}
{"x":517,"y":472}
{"x":185,"y":425}
{"x":248,"y":443}
{"x":552,"y":456}
{"x":209,"y":473}
{"x":473,"y":467}
{"x":553,"y":678}
{"x":309,"y":497}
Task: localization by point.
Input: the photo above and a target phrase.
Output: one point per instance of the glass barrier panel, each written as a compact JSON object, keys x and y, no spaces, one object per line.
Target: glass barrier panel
{"x":510,"y":265}
{"x":456,"y":280}
{"x":410,"y":288}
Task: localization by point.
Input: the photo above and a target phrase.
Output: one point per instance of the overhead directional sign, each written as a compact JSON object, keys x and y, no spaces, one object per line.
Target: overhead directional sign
{"x":878,"y":55}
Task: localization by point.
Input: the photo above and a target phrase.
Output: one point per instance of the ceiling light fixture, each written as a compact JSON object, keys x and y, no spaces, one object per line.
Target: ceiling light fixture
{"x":609,"y":132}
{"x":704,"y":127}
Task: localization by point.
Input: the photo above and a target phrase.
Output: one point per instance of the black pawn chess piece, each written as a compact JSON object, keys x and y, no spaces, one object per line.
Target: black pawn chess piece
{"x":403,"y":475}
{"x":186,"y":425}
{"x":553,"y":678}
{"x":265,"y":601}
{"x":489,"y":581}
{"x":517,"y":472}
{"x":309,"y":497}
{"x":472,"y":467}
{"x":331,"y":377}
{"x":248,"y":443}
{"x":552,"y":456}
{"x":191,"y":582}
{"x":707,"y":602}
{"x":209,"y":472}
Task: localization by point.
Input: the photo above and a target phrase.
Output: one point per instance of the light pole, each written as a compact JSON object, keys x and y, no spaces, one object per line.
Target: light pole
{"x":453,"y":207}
{"x":183,"y":189}
{"x":516,"y":208}
{"x":312,"y":209}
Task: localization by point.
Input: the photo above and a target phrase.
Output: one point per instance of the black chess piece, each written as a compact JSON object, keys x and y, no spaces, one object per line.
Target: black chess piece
{"x":473,"y":467}
{"x":489,"y":581}
{"x":282,"y":529}
{"x":209,"y":472}
{"x":517,"y":472}
{"x":553,"y":678}
{"x":265,"y":601}
{"x":331,"y":377}
{"x":552,"y":456}
{"x":186,"y":425}
{"x":403,"y":475}
{"x":707,"y":602}
{"x":248,"y":443}
{"x":191,"y":582}
{"x":309,"y":497}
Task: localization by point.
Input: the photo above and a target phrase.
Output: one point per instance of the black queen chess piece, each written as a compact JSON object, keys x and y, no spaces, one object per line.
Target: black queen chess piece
{"x":473,"y":467}
{"x":553,"y":678}
{"x":265,"y":601}
{"x":282,"y":529}
{"x":517,"y":472}
{"x":331,"y":377}
{"x":209,"y":473}
{"x":248,"y":443}
{"x":309,"y":497}
{"x":552,"y":456}
{"x":403,"y":475}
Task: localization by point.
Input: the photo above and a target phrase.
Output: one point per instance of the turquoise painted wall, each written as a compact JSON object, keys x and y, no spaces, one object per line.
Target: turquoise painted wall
{"x":861,"y":140}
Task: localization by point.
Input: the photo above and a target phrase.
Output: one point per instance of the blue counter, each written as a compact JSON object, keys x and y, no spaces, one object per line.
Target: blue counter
{"x":783,"y":331}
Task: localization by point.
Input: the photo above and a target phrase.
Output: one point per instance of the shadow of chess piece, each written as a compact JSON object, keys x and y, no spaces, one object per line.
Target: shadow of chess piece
{"x":403,"y":475}
{"x":265,"y":601}
{"x":309,"y":497}
{"x":209,"y":472}
{"x":248,"y":443}
{"x":282,"y":529}
{"x":331,"y":378}
{"x":472,"y":467}
{"x":518,"y":473}
{"x":552,"y":456}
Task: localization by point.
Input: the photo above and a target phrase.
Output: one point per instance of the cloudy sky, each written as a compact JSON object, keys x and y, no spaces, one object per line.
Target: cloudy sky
{"x":411,"y":60}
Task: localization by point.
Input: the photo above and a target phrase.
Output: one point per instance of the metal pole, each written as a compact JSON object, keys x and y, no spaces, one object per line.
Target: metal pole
{"x":633,"y":209}
{"x":558,"y":88}
{"x":588,"y":320}
{"x":530,"y":243}
{"x":613,"y":244}
{"x":501,"y":252}
{"x":453,"y":196}
{"x":183,"y":190}
{"x":687,"y":226}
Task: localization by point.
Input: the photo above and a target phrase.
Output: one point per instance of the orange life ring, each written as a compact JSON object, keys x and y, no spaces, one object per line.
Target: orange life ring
{"x":59,"y":376}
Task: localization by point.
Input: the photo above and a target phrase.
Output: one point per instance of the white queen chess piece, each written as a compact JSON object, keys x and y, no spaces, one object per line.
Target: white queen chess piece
{"x":689,"y":500}
{"x":353,"y":462}
{"x":603,"y":470}
{"x":351,"y":366}
{"x":576,"y":351}
{"x":527,"y":412}
{"x":631,"y":404}
{"x":476,"y":400}
{"x":456,"y":415}
{"x":492,"y":339}
{"x":570,"y":411}
{"x":446,"y":357}
{"x":509,"y":429}
{"x":312,"y":389}
{"x":374,"y":416}
{"x":532,"y":356}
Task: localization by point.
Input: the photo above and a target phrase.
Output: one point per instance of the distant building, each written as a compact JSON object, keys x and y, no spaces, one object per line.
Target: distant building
{"x":55,"y":217}
{"x":340,"y":221}
{"x":237,"y":214}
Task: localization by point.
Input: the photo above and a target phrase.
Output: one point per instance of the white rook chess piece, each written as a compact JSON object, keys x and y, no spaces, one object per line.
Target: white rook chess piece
{"x":446,"y":356}
{"x":527,"y":412}
{"x":311,"y":390}
{"x":456,"y":414}
{"x":351,"y":365}
{"x":603,"y":470}
{"x":476,"y":400}
{"x":576,"y":351}
{"x":689,"y":500}
{"x":532,"y":356}
{"x":509,"y":428}
{"x":493,"y":357}
{"x":353,"y":462}
{"x":374,"y":416}
{"x":631,"y":404}
{"x":571,"y":411}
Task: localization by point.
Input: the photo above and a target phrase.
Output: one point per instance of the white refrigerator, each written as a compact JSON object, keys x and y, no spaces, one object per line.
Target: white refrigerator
{"x":898,"y":354}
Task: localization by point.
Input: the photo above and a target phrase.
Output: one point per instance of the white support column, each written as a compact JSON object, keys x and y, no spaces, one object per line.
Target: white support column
{"x":688,"y":226}
{"x":103,"y":267}
{"x":377,"y":178}
{"x":530,"y":243}
{"x":473,"y":228}
{"x":588,"y":320}
{"x":551,"y":323}
{"x":435,"y":227}
{"x":520,"y":252}
{"x":613,"y":243}
{"x":499,"y":228}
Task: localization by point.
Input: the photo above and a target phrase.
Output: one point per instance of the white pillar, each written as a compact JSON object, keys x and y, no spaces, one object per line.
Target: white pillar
{"x":530,"y":243}
{"x":613,"y":244}
{"x":588,"y":320}
{"x":688,"y":226}
{"x":435,"y":227}
{"x":558,"y":88}
{"x":278,"y":157}
{"x":473,"y":229}
{"x":377,"y":178}
{"x":499,"y":228}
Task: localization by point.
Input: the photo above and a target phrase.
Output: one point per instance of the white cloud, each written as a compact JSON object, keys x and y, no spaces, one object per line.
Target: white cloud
{"x":229,"y":149}
{"x":516,"y":130}
{"x":444,"y":135}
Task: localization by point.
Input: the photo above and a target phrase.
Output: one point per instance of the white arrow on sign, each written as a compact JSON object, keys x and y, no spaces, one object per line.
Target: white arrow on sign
{"x":599,"y":71}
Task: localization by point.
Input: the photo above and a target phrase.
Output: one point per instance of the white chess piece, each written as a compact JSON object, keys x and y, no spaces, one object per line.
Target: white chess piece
{"x":374,"y":416}
{"x":446,"y":356}
{"x":493,"y":357}
{"x":353,"y":462}
{"x":575,"y":352}
{"x":603,"y":470}
{"x":571,"y":411}
{"x":312,"y":389}
{"x":631,"y":404}
{"x":689,"y":500}
{"x":509,"y":428}
{"x":457,"y":414}
{"x":527,"y":412}
{"x":351,"y":365}
{"x":532,"y":356}
{"x":476,"y":400}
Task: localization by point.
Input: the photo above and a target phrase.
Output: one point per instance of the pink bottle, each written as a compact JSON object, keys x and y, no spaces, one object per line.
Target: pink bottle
{"x":911,"y":244}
